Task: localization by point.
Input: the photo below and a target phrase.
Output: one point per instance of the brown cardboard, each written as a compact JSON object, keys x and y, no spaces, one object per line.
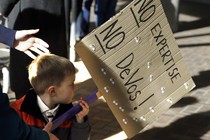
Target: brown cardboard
{"x":136,"y":64}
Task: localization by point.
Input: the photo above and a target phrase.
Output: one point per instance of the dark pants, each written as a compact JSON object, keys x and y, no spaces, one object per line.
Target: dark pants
{"x":104,"y":10}
{"x":0,"y":88}
{"x":19,"y":82}
{"x":86,"y":16}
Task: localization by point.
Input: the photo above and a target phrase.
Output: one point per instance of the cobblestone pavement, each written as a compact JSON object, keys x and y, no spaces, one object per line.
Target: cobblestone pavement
{"x":188,"y":119}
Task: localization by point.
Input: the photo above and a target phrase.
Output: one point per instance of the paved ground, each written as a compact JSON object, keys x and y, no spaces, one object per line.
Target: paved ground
{"x":188,"y":119}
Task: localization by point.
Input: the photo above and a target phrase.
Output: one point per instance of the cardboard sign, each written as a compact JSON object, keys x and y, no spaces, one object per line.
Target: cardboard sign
{"x":136,"y":64}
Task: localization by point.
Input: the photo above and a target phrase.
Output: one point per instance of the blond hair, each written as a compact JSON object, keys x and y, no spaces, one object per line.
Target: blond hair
{"x":47,"y":70}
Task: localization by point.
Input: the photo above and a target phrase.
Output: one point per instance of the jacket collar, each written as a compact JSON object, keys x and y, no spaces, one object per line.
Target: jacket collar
{"x":31,"y":107}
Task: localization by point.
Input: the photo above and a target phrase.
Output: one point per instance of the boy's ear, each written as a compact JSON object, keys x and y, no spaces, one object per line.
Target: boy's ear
{"x":51,"y":91}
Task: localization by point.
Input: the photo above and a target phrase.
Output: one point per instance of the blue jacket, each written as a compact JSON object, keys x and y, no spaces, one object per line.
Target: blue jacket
{"x":7,"y":36}
{"x":12,"y":126}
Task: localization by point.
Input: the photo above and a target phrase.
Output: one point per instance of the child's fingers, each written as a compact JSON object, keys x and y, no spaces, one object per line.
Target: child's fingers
{"x":85,"y":107}
{"x":84,"y":104}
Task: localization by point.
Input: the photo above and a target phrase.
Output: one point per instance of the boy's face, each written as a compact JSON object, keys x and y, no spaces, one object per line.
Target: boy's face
{"x":65,"y":91}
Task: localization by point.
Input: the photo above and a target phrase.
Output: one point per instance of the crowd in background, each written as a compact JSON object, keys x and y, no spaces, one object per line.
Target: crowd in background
{"x":54,"y":18}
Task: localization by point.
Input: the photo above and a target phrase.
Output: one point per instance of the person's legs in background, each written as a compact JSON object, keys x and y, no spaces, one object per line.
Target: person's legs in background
{"x":86,"y":16}
{"x":0,"y":88}
{"x":111,"y":9}
{"x":104,"y":9}
{"x":78,"y":18}
{"x":100,"y":10}
{"x":83,"y":20}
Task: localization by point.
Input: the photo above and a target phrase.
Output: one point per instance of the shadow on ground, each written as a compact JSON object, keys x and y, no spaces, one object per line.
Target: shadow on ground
{"x":185,"y":101}
{"x":198,"y":10}
{"x":202,"y":80}
{"x":191,"y":127}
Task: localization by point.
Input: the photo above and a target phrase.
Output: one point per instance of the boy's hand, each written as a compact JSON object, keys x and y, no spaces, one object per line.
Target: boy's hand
{"x":85,"y":110}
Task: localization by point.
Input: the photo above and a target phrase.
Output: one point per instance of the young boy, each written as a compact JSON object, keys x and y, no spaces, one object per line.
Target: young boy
{"x":12,"y":126}
{"x":52,"y":78}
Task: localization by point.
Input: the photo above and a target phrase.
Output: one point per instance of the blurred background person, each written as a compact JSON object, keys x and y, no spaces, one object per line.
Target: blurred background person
{"x":52,"y":17}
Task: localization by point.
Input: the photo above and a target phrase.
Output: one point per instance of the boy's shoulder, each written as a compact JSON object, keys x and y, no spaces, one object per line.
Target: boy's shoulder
{"x":17,"y":104}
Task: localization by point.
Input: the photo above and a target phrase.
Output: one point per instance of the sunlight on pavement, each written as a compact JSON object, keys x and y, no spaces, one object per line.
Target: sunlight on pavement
{"x":119,"y":136}
{"x":82,"y":74}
